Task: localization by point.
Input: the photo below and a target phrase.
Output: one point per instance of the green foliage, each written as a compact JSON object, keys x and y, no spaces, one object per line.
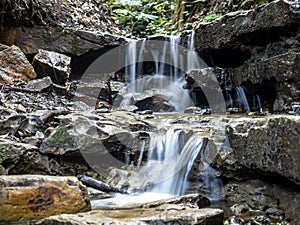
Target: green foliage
{"x":142,"y":17}
{"x":211,"y":17}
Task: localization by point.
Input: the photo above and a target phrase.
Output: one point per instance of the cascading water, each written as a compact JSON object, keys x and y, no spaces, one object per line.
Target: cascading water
{"x":242,"y":99}
{"x":167,"y":167}
{"x":167,"y":78}
{"x":171,"y":151}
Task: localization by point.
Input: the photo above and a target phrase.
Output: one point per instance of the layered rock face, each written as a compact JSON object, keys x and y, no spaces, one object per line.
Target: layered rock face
{"x":259,"y":48}
{"x":270,"y":145}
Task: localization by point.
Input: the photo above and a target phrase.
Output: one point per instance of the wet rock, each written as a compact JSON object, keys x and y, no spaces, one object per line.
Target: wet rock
{"x":154,"y":100}
{"x":96,"y":194}
{"x":268,"y":144}
{"x":295,"y":109}
{"x":280,"y":73}
{"x":275,"y":213}
{"x":261,"y":195}
{"x":282,"y":67}
{"x":192,"y":200}
{"x":29,"y":197}
{"x":11,"y":151}
{"x":205,"y":89}
{"x":239,"y":208}
{"x":127,"y":108}
{"x":165,"y":214}
{"x":40,"y":84}
{"x":55,"y":65}
{"x":14,"y":64}
{"x":192,"y":109}
{"x":61,"y":141}
{"x":234,"y":220}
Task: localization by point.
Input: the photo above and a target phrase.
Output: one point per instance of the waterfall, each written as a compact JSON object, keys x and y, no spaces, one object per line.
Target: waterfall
{"x":168,"y":57}
{"x":242,"y":99}
{"x":168,"y":165}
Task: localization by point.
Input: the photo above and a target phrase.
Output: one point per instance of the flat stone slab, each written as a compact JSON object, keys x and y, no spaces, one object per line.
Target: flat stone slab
{"x":166,"y":214}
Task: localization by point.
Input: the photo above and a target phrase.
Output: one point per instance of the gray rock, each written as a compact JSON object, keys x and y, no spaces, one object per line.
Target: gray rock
{"x":55,"y":65}
{"x":61,"y":141}
{"x":282,"y":67}
{"x":236,"y":28}
{"x":57,"y":39}
{"x":11,"y":152}
{"x":270,"y":144}
{"x":165,"y":214}
{"x":40,"y":84}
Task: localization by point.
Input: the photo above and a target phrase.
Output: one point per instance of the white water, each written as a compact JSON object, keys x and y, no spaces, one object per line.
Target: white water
{"x":241,"y":96}
{"x":168,"y":165}
{"x":165,"y":78}
{"x":171,"y":152}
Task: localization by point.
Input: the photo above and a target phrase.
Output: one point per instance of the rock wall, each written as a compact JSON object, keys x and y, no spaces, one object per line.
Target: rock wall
{"x":263,"y":147}
{"x":260,"y":49}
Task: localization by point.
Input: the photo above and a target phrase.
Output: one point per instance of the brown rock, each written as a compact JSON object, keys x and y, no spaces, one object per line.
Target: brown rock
{"x":14,"y":64}
{"x":28,"y":197}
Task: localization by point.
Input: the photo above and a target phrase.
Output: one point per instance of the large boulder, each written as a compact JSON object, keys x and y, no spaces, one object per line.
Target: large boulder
{"x":52,"y":64}
{"x":14,"y":64}
{"x":269,"y":145}
{"x":284,"y":67}
{"x":31,"y":197}
{"x":249,"y":27}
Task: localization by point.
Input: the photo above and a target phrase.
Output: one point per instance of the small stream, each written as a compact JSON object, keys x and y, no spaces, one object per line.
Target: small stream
{"x":157,"y":79}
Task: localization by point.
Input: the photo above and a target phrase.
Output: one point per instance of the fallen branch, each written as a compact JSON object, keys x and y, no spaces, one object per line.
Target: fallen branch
{"x":99,"y":185}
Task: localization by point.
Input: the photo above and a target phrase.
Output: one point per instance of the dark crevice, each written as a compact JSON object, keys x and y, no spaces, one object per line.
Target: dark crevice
{"x":30,"y":57}
{"x":244,"y":47}
{"x":267,"y":92}
{"x":264,"y":37}
{"x":225,"y":58}
{"x":79,"y":64}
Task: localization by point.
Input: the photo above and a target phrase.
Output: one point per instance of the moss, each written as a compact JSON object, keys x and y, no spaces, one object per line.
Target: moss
{"x":3,"y":153}
{"x":270,"y":14}
{"x":61,"y":137}
{"x":260,"y":2}
{"x":211,"y":17}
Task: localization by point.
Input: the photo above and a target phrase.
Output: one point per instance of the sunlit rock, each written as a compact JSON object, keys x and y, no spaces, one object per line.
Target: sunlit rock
{"x":14,"y":64}
{"x":164,"y":214}
{"x":28,"y":197}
